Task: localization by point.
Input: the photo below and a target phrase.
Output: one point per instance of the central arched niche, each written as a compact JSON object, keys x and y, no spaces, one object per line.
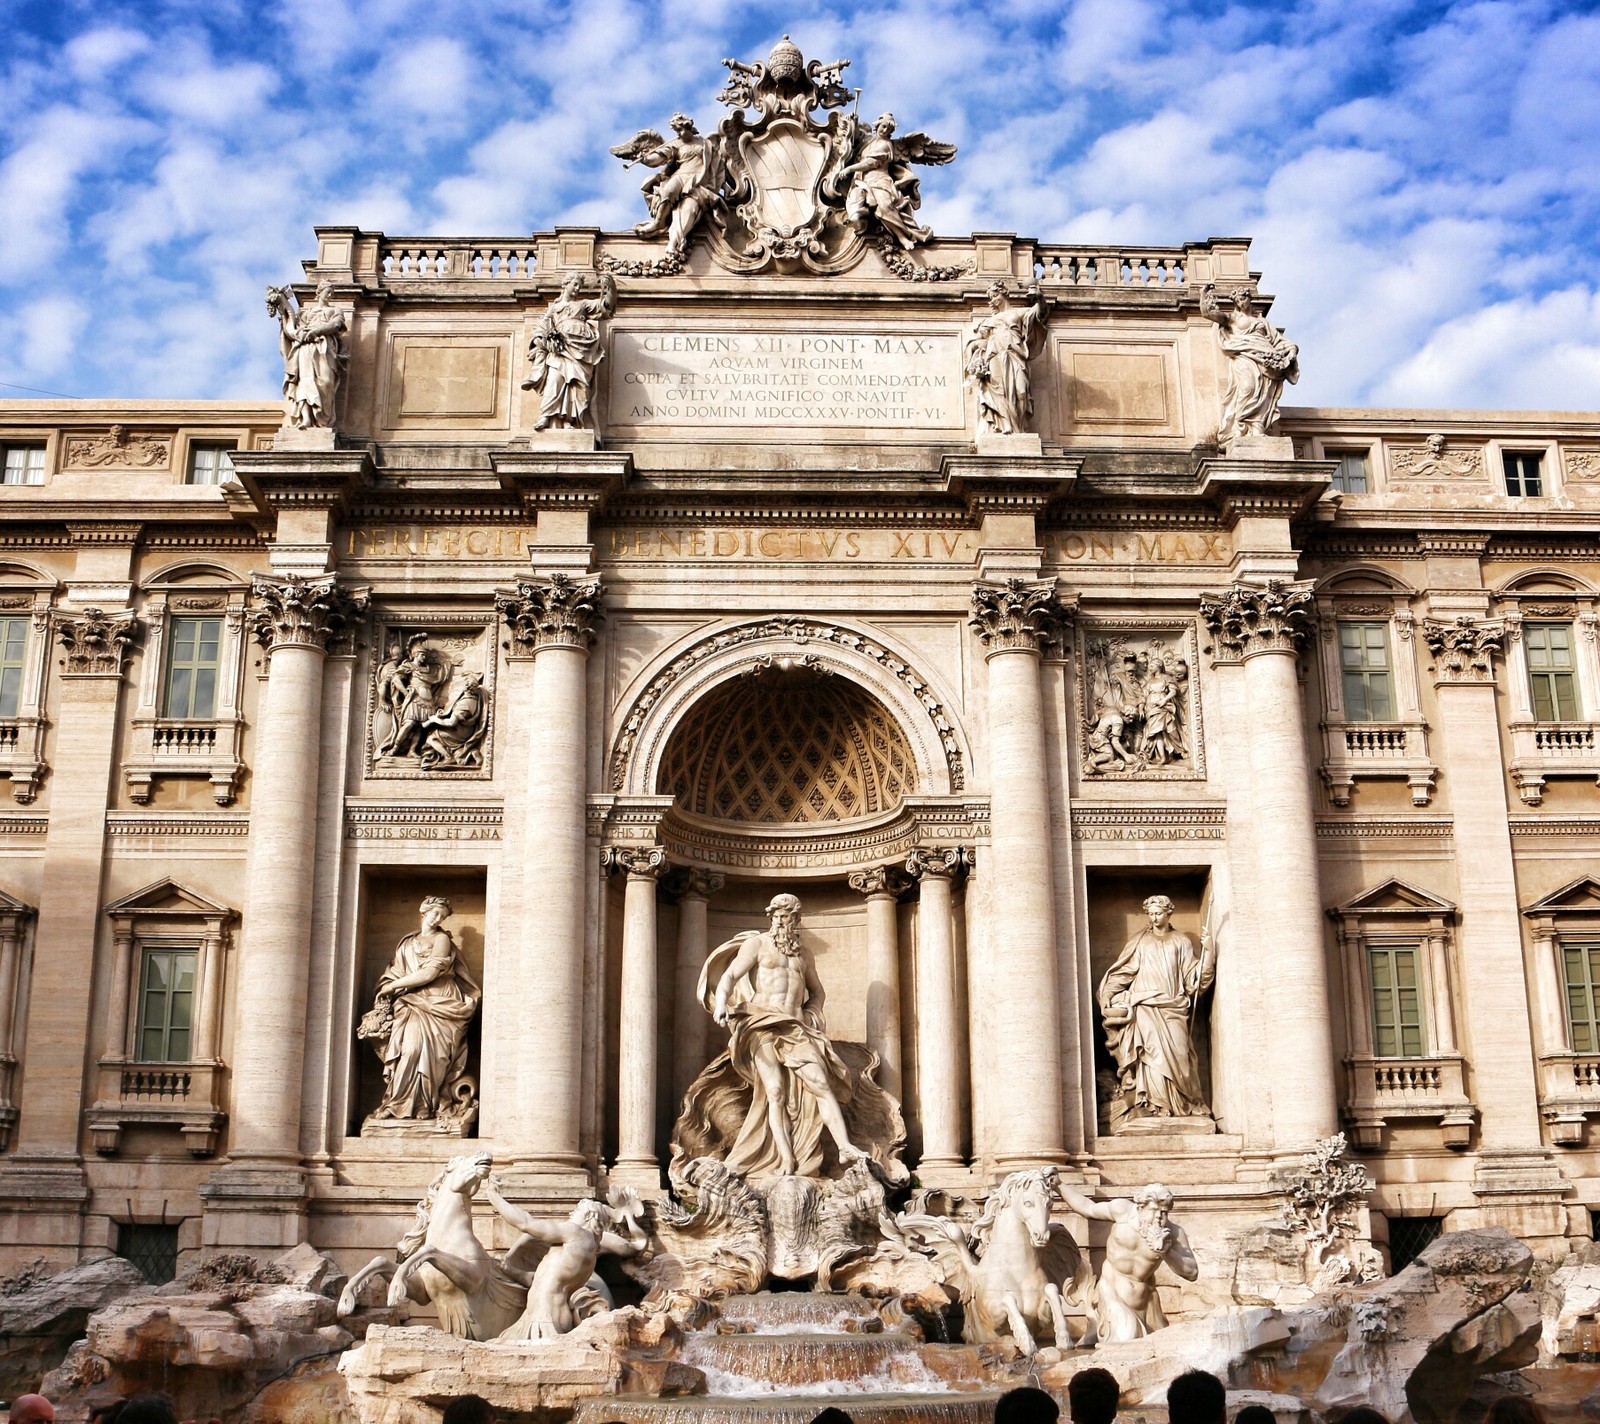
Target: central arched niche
{"x":787,"y":747}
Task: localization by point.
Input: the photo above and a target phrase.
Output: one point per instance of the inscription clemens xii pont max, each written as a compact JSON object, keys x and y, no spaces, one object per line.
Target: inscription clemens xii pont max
{"x":826,"y":378}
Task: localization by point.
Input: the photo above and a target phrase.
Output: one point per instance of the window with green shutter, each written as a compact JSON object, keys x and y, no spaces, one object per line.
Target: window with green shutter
{"x":1396,"y":1001}
{"x":1368,"y":677}
{"x":1552,"y":672}
{"x":192,"y":668}
{"x":166,"y":1006}
{"x":1582,"y":965}
{"x":13,"y":658}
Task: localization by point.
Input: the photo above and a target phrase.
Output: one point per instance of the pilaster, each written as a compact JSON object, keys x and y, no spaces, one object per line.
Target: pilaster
{"x":637,"y":1164}
{"x":693,"y":887}
{"x":939,"y":1066}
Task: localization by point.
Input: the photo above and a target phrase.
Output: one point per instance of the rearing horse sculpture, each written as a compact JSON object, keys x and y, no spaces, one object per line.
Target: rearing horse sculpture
{"x":1018,"y":1270}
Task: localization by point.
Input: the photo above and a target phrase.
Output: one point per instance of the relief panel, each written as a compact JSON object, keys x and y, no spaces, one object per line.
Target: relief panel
{"x":431,"y":699}
{"x":1140,"y":701}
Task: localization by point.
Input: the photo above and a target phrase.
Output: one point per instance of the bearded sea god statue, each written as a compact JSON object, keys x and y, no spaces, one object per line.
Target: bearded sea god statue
{"x":783,"y":1100}
{"x":1143,"y":1236}
{"x":425,"y":1001}
{"x":1148,"y":1000}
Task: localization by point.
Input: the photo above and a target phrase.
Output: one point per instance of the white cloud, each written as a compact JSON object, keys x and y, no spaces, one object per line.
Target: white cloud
{"x":41,"y":336}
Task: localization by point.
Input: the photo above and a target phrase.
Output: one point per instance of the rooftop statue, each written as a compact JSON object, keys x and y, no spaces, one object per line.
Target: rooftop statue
{"x":883,"y":189}
{"x":692,"y":170}
{"x":565,"y":351}
{"x":315,"y":358}
{"x":995,"y":359}
{"x":1260,"y":360}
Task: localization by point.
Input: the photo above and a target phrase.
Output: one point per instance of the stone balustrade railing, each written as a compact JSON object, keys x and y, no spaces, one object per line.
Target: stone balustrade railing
{"x":185,"y":738}
{"x":140,"y":1083}
{"x":1102,"y":267}
{"x":414,"y":259}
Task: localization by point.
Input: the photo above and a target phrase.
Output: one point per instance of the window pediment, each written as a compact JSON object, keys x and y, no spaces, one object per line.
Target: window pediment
{"x":1580,"y":897}
{"x":1395,"y":897}
{"x":167,"y":898}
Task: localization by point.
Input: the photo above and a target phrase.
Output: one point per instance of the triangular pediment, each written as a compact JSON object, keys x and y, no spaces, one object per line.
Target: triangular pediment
{"x":1581,"y":896}
{"x":167,"y":897}
{"x":1395,"y":897}
{"x":10,"y":905}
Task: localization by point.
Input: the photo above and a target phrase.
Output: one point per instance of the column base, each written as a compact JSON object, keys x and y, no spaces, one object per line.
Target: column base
{"x":1521,"y":1189}
{"x":254,"y":1207}
{"x":643,"y":1174}
{"x":46,"y":1197}
{"x":948,"y":1174}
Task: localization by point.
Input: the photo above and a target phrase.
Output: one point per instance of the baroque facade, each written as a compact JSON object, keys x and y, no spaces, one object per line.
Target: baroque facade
{"x":1171,"y":779}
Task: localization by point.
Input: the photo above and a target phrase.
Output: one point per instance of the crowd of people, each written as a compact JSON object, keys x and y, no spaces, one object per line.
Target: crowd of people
{"x":1093,"y":1397}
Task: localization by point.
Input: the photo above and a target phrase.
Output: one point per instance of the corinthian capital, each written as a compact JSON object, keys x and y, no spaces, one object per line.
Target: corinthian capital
{"x":945,"y":863}
{"x":1018,"y":614}
{"x":880,"y":880}
{"x":291,"y":611}
{"x":96,"y":642}
{"x":1464,"y":649}
{"x":693,"y":882}
{"x":644,"y":862}
{"x":1274,"y":617}
{"x":558,"y":614}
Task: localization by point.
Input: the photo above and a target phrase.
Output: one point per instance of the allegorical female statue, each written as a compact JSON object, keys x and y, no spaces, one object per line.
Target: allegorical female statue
{"x":1259,"y":362}
{"x":311,"y":339}
{"x":418,"y":1023}
{"x":1148,"y":1001}
{"x":565,"y":350}
{"x":995,"y":360}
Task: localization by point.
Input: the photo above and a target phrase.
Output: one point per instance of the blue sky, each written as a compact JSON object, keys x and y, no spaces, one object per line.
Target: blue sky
{"x":1421,"y":181}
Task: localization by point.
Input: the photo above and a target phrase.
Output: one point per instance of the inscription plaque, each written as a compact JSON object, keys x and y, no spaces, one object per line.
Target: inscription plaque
{"x":838,"y":379}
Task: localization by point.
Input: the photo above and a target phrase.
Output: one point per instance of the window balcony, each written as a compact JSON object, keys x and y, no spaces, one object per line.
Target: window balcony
{"x":1540,"y":750}
{"x":1571,"y":1094}
{"x":1376,"y":750}
{"x":167,"y":746}
{"x":1387,"y":1090}
{"x":21,"y":739}
{"x":186,"y":1096}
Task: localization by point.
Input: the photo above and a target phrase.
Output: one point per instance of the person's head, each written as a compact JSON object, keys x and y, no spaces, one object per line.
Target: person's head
{"x":1197,"y":1398}
{"x":683,"y":126}
{"x":997,"y":294}
{"x":468,"y":1409}
{"x":1436,"y":445}
{"x":149,"y":1409}
{"x":1092,"y":1397}
{"x":324,"y":296}
{"x":32,"y":1409}
{"x":1255,"y":1414}
{"x":1159,"y":908}
{"x":833,"y":1415}
{"x":572,"y":286}
{"x":1154,"y":1204}
{"x":1026,"y":1406}
{"x":435,"y":911}
{"x":885,"y":125}
{"x":784,"y":913}
{"x":1508,"y":1409}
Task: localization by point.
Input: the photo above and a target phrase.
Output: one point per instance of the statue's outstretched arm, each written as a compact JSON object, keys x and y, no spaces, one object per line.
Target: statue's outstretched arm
{"x":1074,"y":1200}
{"x":552,"y":1233}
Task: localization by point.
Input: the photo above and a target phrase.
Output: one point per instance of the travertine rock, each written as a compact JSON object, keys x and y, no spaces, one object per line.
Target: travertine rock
{"x":40,"y":1322}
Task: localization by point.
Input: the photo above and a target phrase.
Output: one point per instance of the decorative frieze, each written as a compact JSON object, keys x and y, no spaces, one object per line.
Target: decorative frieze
{"x":418,"y":821}
{"x":116,"y":450}
{"x":303,"y":612}
{"x":1464,"y":649}
{"x":1016,"y":615}
{"x":1274,"y":617}
{"x":96,"y":643}
{"x":1124,"y":821}
{"x":562,"y":613}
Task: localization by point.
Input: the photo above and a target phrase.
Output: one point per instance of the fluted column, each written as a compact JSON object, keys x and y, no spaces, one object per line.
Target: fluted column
{"x":636,"y":1045}
{"x":295,"y":619}
{"x":938,"y":1030}
{"x":882,"y":887}
{"x":1264,"y":627}
{"x":554,"y":623}
{"x":694,"y":888}
{"x":1016,"y":621}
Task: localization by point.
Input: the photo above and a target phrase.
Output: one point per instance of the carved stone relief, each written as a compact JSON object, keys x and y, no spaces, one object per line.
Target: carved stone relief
{"x":1140,"y":702}
{"x":1582,"y":465}
{"x":116,"y":450}
{"x":1433,"y":460}
{"x":432,"y":699}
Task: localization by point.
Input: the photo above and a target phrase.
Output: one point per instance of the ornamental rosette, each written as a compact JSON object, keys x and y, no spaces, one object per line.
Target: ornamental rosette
{"x":560,"y":614}
{"x":1464,"y":649}
{"x":1018,"y":615}
{"x":1274,"y":617}
{"x":292,"y":611}
{"x":96,"y":643}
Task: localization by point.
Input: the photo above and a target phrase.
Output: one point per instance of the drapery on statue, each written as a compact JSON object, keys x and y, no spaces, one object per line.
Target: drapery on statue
{"x":1259,"y":362}
{"x":425,"y":1000}
{"x":314,"y":356}
{"x":882,"y":188}
{"x":1127,"y":1305}
{"x":566,"y":350}
{"x":454,"y":737}
{"x":692,"y":168}
{"x":995,"y":359}
{"x":1148,"y":1001}
{"x":783,"y":1100}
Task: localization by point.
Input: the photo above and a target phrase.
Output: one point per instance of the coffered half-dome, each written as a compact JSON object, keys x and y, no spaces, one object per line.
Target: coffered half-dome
{"x":787,"y":748}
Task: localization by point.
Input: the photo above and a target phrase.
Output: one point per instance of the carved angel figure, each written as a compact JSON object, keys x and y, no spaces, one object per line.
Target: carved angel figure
{"x":311,"y":339}
{"x":693,"y":167}
{"x":995,"y":359}
{"x":566,"y":350}
{"x":1260,"y":360}
{"x":881,"y":187}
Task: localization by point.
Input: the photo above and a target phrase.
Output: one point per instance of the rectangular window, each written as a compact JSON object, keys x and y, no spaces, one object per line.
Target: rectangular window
{"x":1552,"y":672}
{"x":1351,"y":476}
{"x":192,"y":668}
{"x":1581,"y":964}
{"x":166,"y":1005}
{"x":1522,"y":472}
{"x":1368,"y":680}
{"x":1396,"y":1001}
{"x":1409,"y":1237}
{"x":24,"y":465}
{"x":13,"y":657}
{"x":210,"y":464}
{"x":152,"y":1248}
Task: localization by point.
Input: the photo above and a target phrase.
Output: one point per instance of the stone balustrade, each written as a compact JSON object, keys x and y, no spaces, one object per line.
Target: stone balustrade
{"x":409,"y":259}
{"x":1120,"y":267}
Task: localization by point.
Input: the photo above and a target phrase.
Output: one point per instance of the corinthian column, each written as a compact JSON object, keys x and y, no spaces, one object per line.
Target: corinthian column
{"x":636,"y":1045}
{"x":882,"y":886}
{"x":554,"y":623}
{"x":1264,"y":627}
{"x":693,"y":887}
{"x":1017,"y":621}
{"x":938,"y":1032}
{"x":295,"y":619}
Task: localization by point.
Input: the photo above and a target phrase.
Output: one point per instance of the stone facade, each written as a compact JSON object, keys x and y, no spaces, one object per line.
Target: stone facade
{"x":777,"y":608}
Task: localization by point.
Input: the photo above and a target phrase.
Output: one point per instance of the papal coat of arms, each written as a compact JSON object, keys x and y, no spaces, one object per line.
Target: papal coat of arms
{"x":775,"y":186}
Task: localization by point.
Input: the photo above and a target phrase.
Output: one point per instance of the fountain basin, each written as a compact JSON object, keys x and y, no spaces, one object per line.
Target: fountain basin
{"x":976,"y":1407}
